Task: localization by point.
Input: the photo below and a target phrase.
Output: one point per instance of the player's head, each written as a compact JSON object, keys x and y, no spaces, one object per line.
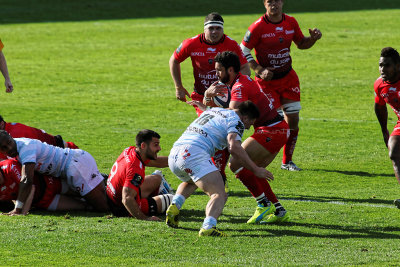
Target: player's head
{"x":213,"y":27}
{"x":148,"y":143}
{"x":273,"y":7}
{"x":2,"y":123}
{"x":248,"y":113}
{"x":227,"y":65}
{"x":389,"y":64}
{"x":7,"y":144}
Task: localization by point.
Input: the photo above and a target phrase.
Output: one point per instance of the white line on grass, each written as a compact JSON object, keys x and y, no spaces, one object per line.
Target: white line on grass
{"x":343,"y":203}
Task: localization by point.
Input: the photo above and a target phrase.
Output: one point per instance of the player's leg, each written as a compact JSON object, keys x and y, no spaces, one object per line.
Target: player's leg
{"x":394,"y":155}
{"x":150,"y":185}
{"x":291,"y":111}
{"x":163,"y":202}
{"x":97,"y":198}
{"x":66,"y":203}
{"x":213,"y":186}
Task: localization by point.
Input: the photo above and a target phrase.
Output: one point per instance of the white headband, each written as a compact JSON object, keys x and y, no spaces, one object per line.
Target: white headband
{"x":214,"y":23}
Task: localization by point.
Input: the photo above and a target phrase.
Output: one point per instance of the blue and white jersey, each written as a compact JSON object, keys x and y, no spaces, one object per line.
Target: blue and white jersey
{"x":210,"y":130}
{"x":48,"y":159}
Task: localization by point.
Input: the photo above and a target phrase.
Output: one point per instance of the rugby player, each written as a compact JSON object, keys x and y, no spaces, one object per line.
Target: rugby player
{"x":77,"y":167}
{"x":270,"y":134}
{"x":271,"y":37}
{"x":4,"y":70}
{"x":129,"y":191}
{"x":387,"y":91}
{"x":190,"y":160}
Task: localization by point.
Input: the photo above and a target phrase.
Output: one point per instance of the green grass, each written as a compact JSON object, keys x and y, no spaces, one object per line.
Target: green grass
{"x":99,"y":77}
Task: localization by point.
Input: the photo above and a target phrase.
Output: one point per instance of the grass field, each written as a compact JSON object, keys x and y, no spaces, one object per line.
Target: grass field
{"x":98,"y":73}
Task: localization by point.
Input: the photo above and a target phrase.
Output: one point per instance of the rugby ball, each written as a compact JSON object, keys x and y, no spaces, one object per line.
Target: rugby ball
{"x":223,"y":101}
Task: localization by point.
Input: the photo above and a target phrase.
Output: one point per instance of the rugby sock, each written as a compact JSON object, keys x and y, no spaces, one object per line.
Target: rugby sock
{"x":71,"y":145}
{"x":268,"y":190}
{"x":280,"y":210}
{"x":178,"y":200}
{"x":262,"y":200}
{"x":288,"y":149}
{"x":250,"y":181}
{"x":165,"y":201}
{"x":209,"y":222}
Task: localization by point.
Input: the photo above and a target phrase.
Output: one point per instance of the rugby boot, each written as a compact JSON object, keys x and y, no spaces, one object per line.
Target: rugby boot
{"x":212,"y":232}
{"x":261,"y":212}
{"x":172,"y":219}
{"x":290,"y":166}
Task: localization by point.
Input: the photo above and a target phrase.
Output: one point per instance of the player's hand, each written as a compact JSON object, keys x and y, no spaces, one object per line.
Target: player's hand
{"x":198,"y":104}
{"x":153,"y":218}
{"x":263,"y":173}
{"x":181,"y":94}
{"x":9,"y":86}
{"x":315,"y":34}
{"x":215,"y":89}
{"x":266,"y":74}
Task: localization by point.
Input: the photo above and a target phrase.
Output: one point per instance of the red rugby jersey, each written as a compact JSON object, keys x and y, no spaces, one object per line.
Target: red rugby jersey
{"x":244,"y":88}
{"x":202,"y":55}
{"x":127,"y":171}
{"x":272,"y":41}
{"x":388,"y":93}
{"x":17,"y":130}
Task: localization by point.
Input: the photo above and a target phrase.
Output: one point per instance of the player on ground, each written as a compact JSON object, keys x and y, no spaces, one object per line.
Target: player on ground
{"x":270,"y":134}
{"x":190,"y":160}
{"x":47,"y":192}
{"x":387,"y":91}
{"x":4,"y":70}
{"x":17,"y":130}
{"x":77,"y":167}
{"x":271,"y":37}
{"x":202,"y":49}
{"x":129,"y":191}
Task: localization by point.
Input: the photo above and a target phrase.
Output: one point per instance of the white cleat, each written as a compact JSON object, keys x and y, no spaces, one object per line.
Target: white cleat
{"x":290,"y":167}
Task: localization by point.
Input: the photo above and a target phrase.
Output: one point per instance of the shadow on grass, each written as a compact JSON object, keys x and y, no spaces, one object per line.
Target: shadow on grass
{"x":355,"y":173}
{"x":26,"y":11}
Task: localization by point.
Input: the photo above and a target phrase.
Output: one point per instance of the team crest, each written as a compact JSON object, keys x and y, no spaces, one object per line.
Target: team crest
{"x":247,"y":37}
{"x":281,"y":40}
{"x":136,"y":180}
{"x":210,"y":61}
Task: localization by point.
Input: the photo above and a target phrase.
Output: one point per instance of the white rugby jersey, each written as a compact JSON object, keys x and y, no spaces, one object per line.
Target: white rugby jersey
{"x":210,"y":130}
{"x":48,"y":159}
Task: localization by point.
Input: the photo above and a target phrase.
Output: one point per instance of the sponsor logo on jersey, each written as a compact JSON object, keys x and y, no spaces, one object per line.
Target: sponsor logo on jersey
{"x":289,"y":32}
{"x":392,"y":89}
{"x":279,"y":29}
{"x":197,"y":54}
{"x":247,"y":37}
{"x":282,"y":54}
{"x":211,"y":50}
{"x":211,"y":75}
{"x":268,"y":35}
{"x":196,"y":130}
{"x":240,"y":128}
{"x":136,"y":180}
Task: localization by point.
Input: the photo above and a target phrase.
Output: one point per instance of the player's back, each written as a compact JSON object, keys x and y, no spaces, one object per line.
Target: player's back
{"x":18,"y":130}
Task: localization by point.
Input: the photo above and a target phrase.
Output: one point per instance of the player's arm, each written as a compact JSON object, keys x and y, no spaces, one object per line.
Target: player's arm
{"x":160,"y":162}
{"x":4,"y":71}
{"x":236,"y":150}
{"x":245,"y":69}
{"x":175,"y":69}
{"x":28,"y":202}
{"x":25,"y":187}
{"x":129,"y":201}
{"x":263,"y":73}
{"x":308,"y":42}
{"x":382,"y":116}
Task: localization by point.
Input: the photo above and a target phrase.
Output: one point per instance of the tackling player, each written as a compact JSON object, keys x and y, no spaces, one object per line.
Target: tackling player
{"x":47,"y":192}
{"x":387,"y":91}
{"x":129,"y":191}
{"x":4,"y":70}
{"x":17,"y":130}
{"x":271,"y":37}
{"x":190,"y":160}
{"x":202,"y":49}
{"x":270,"y":134}
{"x":77,"y":167}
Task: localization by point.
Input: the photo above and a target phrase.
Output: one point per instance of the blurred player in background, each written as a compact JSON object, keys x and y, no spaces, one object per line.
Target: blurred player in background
{"x":271,"y":37}
{"x":129,"y":191}
{"x":47,"y":192}
{"x":202,"y":49}
{"x":387,"y":91}
{"x":17,"y":130}
{"x":190,"y":160}
{"x":77,"y":167}
{"x":270,"y":134}
{"x":4,"y":70}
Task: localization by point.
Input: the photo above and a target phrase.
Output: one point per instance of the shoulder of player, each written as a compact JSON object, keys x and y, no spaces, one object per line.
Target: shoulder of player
{"x":378,"y":82}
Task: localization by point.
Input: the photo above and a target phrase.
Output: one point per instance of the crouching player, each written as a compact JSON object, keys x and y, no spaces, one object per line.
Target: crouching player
{"x":47,"y":192}
{"x":129,"y":191}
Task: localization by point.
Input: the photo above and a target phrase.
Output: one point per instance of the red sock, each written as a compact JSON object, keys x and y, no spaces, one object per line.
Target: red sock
{"x":72,"y":145}
{"x":220,"y":160}
{"x":267,"y":190}
{"x":251,"y":182}
{"x":288,"y":149}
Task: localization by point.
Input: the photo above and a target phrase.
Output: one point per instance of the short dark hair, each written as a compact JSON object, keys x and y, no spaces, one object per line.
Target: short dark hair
{"x":214,"y":16}
{"x":1,"y":119}
{"x":3,"y":134}
{"x":228,"y":59}
{"x":146,"y":136}
{"x":392,"y":53}
{"x":249,"y":109}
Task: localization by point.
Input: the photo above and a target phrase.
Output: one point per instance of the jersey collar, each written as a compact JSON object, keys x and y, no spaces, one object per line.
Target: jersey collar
{"x":203,"y":39}
{"x":266,"y":19}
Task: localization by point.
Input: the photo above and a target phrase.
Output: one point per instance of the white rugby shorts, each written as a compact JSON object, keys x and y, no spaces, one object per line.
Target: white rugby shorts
{"x":190,"y":163}
{"x":82,"y":173}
